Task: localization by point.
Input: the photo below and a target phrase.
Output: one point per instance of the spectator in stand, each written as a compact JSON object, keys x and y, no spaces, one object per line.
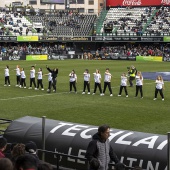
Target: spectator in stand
{"x":26,"y":162}
{"x":31,"y":148}
{"x":44,"y":166}
{"x":120,"y":166}
{"x":3,"y":144}
{"x":101,"y":149}
{"x":18,"y":150}
{"x":6,"y":164}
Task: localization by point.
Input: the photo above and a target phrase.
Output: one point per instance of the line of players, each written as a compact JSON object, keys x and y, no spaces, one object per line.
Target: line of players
{"x":52,"y":79}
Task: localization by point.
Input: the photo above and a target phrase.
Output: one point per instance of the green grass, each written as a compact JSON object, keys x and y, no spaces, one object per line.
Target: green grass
{"x":131,"y":113}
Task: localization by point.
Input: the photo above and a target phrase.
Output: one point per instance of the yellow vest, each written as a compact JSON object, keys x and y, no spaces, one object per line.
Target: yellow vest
{"x":132,"y":75}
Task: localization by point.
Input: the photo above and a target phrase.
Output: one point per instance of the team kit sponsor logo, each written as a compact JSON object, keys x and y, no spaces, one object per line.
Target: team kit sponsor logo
{"x":146,"y":150}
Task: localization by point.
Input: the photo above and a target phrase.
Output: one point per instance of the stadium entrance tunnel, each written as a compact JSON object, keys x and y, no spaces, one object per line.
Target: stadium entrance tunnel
{"x":146,"y":150}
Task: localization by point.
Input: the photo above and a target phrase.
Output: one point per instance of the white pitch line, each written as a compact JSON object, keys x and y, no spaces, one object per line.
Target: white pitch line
{"x":26,"y":97}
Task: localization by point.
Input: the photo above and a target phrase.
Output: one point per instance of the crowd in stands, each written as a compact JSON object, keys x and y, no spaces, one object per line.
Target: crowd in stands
{"x":134,"y":21}
{"x":13,"y":22}
{"x":19,"y":156}
{"x":63,"y":49}
{"x":138,"y":21}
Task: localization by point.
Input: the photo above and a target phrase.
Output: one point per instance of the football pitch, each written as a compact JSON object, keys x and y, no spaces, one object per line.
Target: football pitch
{"x":136,"y":114}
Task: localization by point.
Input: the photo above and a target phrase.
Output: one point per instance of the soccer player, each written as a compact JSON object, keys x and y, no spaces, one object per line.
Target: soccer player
{"x":159,"y":87}
{"x":123,"y":85}
{"x":32,"y":78}
{"x":73,"y":81}
{"x":86,"y":81}
{"x":7,"y":80}
{"x":107,"y":81}
{"x":97,"y":80}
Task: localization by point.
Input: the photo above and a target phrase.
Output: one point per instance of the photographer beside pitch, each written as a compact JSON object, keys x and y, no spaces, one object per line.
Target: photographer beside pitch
{"x":132,"y":73}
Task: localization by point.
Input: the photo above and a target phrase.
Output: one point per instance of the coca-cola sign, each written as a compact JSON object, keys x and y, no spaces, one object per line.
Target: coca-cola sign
{"x":137,"y":2}
{"x":132,"y":3}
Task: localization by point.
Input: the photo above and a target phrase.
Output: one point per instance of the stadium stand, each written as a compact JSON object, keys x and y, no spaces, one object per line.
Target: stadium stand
{"x":65,"y":24}
{"x":134,"y":21}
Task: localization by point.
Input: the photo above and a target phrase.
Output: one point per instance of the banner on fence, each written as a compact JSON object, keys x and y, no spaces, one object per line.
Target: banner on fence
{"x":36,"y":57}
{"x":149,"y":58}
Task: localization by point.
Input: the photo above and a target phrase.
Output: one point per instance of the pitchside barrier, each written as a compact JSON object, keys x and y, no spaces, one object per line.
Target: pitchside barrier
{"x":146,"y":150}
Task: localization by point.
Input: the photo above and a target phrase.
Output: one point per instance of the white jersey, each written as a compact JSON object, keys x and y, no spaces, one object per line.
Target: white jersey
{"x":139,"y":81}
{"x":18,"y":72}
{"x":97,"y":77}
{"x":73,"y":77}
{"x":6,"y":72}
{"x":123,"y":81}
{"x":50,"y":77}
{"x":159,"y":84}
{"x":86,"y":77}
{"x":32,"y":73}
{"x":39,"y":75}
{"x":23,"y":76}
{"x":107,"y":77}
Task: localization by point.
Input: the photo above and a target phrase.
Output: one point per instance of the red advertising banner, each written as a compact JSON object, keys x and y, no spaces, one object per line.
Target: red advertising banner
{"x":137,"y":2}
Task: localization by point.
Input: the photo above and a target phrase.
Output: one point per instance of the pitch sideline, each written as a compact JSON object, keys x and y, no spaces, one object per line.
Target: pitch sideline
{"x":26,"y":97}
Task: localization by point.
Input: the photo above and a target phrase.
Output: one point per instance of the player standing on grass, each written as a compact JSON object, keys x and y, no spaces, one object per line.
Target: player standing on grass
{"x":7,"y":80}
{"x":18,"y":75}
{"x":23,"y":78}
{"x":86,"y":81}
{"x":159,"y":87}
{"x":97,"y":80}
{"x":73,"y":81}
{"x":139,"y":84}
{"x":107,"y":81}
{"x":39,"y":79}
{"x":123,"y":85}
{"x":54,"y":74}
{"x":32,"y":78}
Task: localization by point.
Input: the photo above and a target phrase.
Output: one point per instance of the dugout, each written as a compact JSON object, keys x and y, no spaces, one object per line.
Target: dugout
{"x":133,"y":148}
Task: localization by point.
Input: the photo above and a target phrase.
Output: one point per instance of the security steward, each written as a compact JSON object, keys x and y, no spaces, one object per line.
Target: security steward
{"x":132,"y":73}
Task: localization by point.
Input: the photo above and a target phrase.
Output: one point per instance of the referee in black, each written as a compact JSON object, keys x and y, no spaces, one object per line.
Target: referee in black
{"x":54,"y":77}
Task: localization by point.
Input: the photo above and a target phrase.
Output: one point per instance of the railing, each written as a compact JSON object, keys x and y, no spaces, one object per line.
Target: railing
{"x":58,"y":155}
{"x":4,"y":122}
